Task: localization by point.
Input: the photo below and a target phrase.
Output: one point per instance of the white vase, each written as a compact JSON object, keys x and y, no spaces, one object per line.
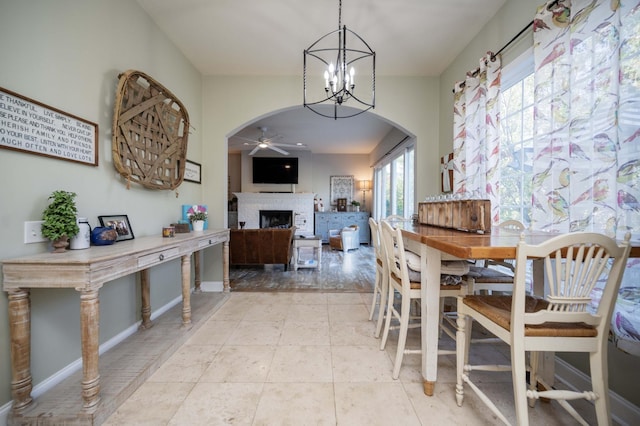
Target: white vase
{"x":198,"y":225}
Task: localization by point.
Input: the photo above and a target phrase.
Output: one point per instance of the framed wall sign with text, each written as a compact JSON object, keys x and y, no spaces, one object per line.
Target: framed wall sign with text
{"x":192,"y":171}
{"x":30,"y":126}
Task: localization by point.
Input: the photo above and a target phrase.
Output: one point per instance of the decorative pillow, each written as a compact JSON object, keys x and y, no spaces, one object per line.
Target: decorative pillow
{"x":454,"y":267}
{"x":413,"y":260}
{"x":448,"y":267}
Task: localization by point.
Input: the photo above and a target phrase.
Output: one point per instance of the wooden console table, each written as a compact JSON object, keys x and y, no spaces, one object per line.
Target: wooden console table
{"x":87,"y":271}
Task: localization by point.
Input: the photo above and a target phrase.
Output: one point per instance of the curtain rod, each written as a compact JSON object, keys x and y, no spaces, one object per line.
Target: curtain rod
{"x":390,"y":151}
{"x":395,"y":146}
{"x":513,"y":39}
{"x":474,"y":73}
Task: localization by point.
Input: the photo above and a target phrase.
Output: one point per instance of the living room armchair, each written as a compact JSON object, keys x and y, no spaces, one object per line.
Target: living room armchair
{"x":345,"y":239}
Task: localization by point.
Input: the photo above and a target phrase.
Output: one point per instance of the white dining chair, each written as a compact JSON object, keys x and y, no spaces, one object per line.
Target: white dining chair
{"x":381,"y":284}
{"x":494,"y":274}
{"x":562,"y":321}
{"x":407,"y":286}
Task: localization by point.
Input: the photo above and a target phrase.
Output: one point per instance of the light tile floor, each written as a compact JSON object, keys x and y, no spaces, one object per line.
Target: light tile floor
{"x":308,"y":359}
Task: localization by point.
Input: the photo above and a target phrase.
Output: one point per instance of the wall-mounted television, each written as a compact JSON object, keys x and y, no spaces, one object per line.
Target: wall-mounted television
{"x":275,"y":170}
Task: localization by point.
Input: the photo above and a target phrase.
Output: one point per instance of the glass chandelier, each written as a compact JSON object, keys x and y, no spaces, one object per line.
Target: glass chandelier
{"x":330,"y":74}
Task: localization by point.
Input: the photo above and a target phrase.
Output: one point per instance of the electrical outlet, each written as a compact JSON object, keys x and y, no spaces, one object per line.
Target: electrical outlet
{"x":33,"y":232}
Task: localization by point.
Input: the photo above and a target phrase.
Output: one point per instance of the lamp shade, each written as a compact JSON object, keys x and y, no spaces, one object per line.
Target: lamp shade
{"x":364,"y":185}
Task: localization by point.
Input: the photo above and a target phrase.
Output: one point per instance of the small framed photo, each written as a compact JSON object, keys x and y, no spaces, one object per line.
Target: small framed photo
{"x":192,"y":171}
{"x":119,"y":222}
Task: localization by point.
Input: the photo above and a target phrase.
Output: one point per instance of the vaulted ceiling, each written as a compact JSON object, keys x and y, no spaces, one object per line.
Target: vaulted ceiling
{"x":250,"y":37}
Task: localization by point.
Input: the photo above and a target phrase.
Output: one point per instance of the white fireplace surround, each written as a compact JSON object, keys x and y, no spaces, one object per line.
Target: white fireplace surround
{"x":301,"y":204}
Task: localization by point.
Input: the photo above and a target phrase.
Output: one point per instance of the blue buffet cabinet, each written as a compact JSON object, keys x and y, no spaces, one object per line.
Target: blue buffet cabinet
{"x":325,"y":221}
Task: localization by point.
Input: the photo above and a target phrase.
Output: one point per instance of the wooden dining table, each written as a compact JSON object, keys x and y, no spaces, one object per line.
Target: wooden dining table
{"x":435,"y":244}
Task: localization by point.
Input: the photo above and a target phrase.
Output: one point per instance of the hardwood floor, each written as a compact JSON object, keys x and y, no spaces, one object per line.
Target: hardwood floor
{"x":352,"y":271}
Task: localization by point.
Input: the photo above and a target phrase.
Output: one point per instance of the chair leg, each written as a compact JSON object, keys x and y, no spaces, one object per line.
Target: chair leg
{"x":519,"y":377}
{"x":376,"y":293}
{"x":405,"y":314}
{"x":387,"y":321}
{"x":534,"y":361}
{"x":600,"y":385}
{"x":462,"y":355}
{"x":384,"y":290}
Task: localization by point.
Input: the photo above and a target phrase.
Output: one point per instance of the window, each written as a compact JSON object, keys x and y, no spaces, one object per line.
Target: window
{"x":516,"y":139}
{"x":394,"y":184}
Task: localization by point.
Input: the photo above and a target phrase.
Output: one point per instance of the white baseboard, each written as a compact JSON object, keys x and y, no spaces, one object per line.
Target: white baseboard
{"x":215,"y":286}
{"x":51,"y":381}
{"x":4,"y":413}
{"x":622,"y":411}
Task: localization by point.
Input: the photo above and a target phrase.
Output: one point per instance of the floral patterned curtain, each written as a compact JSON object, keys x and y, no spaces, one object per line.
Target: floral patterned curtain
{"x":477,"y":133}
{"x":587,"y":132}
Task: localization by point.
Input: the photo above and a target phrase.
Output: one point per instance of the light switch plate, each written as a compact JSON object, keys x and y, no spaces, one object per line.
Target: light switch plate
{"x":33,"y":232}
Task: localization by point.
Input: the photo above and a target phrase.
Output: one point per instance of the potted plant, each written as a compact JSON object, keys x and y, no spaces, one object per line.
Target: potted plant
{"x":356,"y":205}
{"x":59,"y":218}
{"x":197,"y":216}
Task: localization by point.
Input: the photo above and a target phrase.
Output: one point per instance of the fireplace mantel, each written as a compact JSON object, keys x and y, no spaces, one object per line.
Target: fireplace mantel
{"x":250,"y":204}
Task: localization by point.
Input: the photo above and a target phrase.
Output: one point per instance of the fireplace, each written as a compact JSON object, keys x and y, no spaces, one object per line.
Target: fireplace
{"x":276,"y":218}
{"x":250,"y":205}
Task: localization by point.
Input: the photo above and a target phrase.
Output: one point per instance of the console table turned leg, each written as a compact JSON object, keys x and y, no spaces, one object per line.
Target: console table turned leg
{"x":225,"y":267}
{"x":89,"y":328}
{"x":186,"y":290}
{"x":20,"y":323}
{"x":146,"y":300}
{"x":196,"y":270}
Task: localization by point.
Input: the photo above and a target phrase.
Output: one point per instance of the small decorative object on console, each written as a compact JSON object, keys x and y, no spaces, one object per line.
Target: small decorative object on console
{"x":120,"y":223}
{"x":168,"y":231}
{"x":188,"y":211}
{"x":181,"y":228}
{"x":197,"y":217}
{"x":59,"y":219}
{"x":103,"y":236}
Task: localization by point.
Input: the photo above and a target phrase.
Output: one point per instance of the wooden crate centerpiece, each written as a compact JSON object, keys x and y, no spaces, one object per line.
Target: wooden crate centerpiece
{"x":463,"y":215}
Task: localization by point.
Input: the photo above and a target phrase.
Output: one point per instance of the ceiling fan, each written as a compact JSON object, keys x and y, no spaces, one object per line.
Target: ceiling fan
{"x":265,"y":142}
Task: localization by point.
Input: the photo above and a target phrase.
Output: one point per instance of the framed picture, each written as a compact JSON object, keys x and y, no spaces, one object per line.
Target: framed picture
{"x":119,"y":222}
{"x":341,"y":187}
{"x":192,"y":172}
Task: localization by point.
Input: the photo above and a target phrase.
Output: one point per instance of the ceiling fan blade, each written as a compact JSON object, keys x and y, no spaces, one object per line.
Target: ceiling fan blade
{"x":287,"y":145}
{"x":256,"y":149}
{"x":247,"y":139}
{"x":276,"y":149}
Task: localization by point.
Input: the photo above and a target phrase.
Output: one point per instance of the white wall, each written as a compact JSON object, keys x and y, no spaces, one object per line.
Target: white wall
{"x":68,"y":54}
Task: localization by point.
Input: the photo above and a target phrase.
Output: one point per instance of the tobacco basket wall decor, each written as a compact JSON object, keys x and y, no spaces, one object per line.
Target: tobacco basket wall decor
{"x":150,"y":132}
